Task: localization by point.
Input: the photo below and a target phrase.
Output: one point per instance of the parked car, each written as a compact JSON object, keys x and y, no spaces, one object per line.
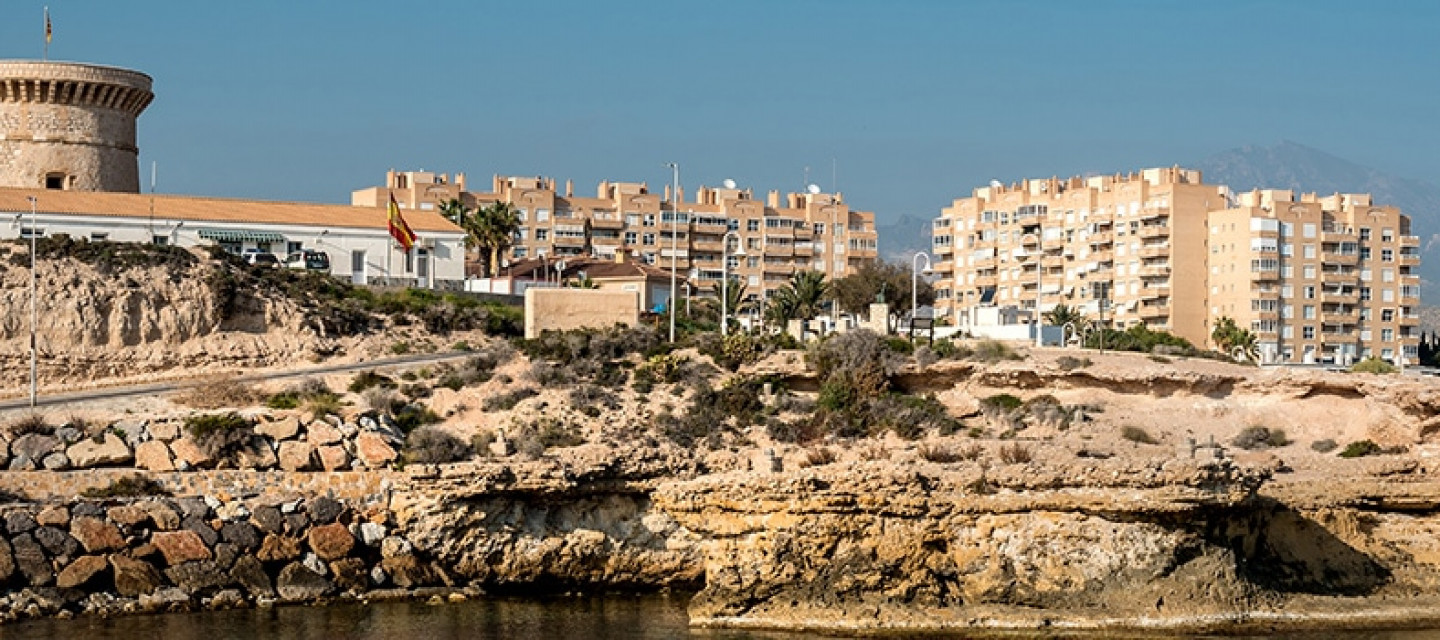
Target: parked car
{"x":258,"y":257}
{"x":309,"y":259}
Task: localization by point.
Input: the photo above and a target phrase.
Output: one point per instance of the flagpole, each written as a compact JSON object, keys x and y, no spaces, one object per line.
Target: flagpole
{"x":47,"y":33}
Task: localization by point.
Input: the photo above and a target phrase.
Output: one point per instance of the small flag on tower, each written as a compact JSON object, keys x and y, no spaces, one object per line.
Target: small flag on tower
{"x":48,"y":30}
{"x":398,"y":229}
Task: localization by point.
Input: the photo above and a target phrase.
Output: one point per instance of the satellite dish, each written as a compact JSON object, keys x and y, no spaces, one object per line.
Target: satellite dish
{"x":996,"y":184}
{"x":729,"y":184}
{"x":813,"y":189}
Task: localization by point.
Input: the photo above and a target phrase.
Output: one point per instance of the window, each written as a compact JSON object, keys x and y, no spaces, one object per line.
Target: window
{"x":99,"y":237}
{"x":31,"y":232}
{"x":1387,"y":235}
{"x":630,"y":237}
{"x":55,"y":181}
{"x":160,"y":240}
{"x":1308,"y":229}
{"x":1364,"y":275}
{"x":1287,"y":291}
{"x":410,"y":261}
{"x":1309,"y":251}
{"x":1387,"y":335}
{"x":649,"y":219}
{"x":1288,"y":332}
{"x":752,"y":262}
{"x":1387,"y":275}
{"x":820,"y":227}
{"x":1364,"y":234}
{"x":1309,"y":312}
{"x":294,"y":247}
{"x":1307,"y":332}
{"x":1387,"y":295}
{"x":1387,"y":255}
{"x":1364,"y":253}
{"x":1387,"y":315}
{"x":647,"y":239}
{"x":542,"y":234}
{"x":541,"y":215}
{"x":1365,"y":315}
{"x":1364,"y":294}
{"x":1309,"y":272}
{"x":1287,"y":250}
{"x":752,"y":225}
{"x":1287,"y":311}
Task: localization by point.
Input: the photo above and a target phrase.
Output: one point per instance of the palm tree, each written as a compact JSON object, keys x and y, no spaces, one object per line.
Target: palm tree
{"x":492,"y":229}
{"x":455,"y":211}
{"x":1062,"y":315}
{"x":782,"y":306}
{"x":810,"y":288}
{"x":1231,"y":339}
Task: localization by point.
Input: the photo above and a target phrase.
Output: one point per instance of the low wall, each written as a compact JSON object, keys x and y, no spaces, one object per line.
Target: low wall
{"x":563,"y":309}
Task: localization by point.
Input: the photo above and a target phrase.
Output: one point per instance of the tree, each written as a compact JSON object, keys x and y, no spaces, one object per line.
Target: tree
{"x":810,"y":288}
{"x":492,"y":229}
{"x":1229,"y":337}
{"x":735,"y":302}
{"x":1062,"y":315}
{"x":857,"y":291}
{"x":455,"y":211}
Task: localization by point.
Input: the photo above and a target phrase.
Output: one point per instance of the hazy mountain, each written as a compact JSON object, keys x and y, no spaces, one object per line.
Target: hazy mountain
{"x":904,"y":236}
{"x":1295,"y":166}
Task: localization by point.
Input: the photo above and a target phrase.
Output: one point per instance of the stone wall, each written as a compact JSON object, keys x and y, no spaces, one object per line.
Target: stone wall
{"x":563,"y":309}
{"x":72,"y":119}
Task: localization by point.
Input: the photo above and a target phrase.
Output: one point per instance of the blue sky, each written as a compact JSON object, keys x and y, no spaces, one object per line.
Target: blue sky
{"x":916,"y":103}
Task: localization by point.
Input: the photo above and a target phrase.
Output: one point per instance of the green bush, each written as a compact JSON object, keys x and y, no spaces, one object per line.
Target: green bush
{"x":992,"y":351}
{"x":1373,"y":365}
{"x":1361,"y":449}
{"x":948,"y":350}
{"x":413,"y":416}
{"x":1001,"y":402}
{"x":366,"y":379}
{"x":900,"y":345}
{"x":220,"y":435}
{"x":507,"y":400}
{"x":1255,"y":437}
{"x":554,"y":433}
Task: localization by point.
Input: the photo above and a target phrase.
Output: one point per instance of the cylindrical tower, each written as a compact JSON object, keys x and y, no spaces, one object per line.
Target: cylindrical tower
{"x":65,"y":125}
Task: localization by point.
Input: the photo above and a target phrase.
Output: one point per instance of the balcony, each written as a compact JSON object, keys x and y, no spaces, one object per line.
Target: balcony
{"x":1330,"y":257}
{"x":775,"y":249}
{"x":1159,"y":271}
{"x":776,"y":267}
{"x":1154,"y":293}
{"x":1154,"y":311}
{"x":707,"y":245}
{"x":1409,"y":260}
{"x":607,"y":223}
{"x":1154,"y":231}
{"x":941,"y":250}
{"x":1409,"y":321}
{"x":1103,"y":237}
{"x":1337,"y":318}
{"x":1265,"y":276}
{"x":1155,"y":251}
{"x":1271,"y":315}
{"x":603,"y":241}
{"x":1328,"y":296}
{"x":1101,"y":256}
{"x":1410,"y":241}
{"x":710,"y":228}
{"x":804,"y":249}
{"x":1154,"y":213}
{"x":568,"y":241}
{"x":1053,"y":261}
{"x":1338,"y":234}
{"x":984,"y":281}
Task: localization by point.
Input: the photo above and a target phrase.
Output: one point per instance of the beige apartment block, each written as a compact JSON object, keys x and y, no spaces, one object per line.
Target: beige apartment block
{"x":1161,"y":248}
{"x":770,"y":240}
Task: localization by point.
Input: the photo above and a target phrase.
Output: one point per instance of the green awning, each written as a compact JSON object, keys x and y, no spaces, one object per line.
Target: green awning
{"x":240,"y":235}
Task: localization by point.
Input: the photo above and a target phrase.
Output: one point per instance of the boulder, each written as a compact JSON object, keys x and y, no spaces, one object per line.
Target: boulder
{"x":7,"y":560}
{"x":197,"y":575}
{"x":87,"y":509}
{"x":333,"y":457}
{"x":314,"y":563}
{"x":407,"y":571}
{"x":167,"y":599}
{"x":321,"y":433}
{"x":57,"y":541}
{"x":372,"y":533}
{"x":371,"y":448}
{"x":283,"y":429}
{"x":225,"y":555}
{"x":30,"y":559}
{"x":232,"y":511}
{"x":134,"y":578}
{"x":154,"y":456}
{"x":256,"y":454}
{"x":324,"y":509}
{"x":241,"y":534}
{"x":110,"y":451}
{"x":201,"y":528}
{"x":55,"y":462}
{"x":56,"y":516}
{"x":164,"y":516}
{"x":297,"y":583}
{"x":394,"y":546}
{"x":34,"y":446}
{"x":296,"y":455}
{"x":276,"y":548}
{"x":18,"y":522}
{"x":81,"y":571}
{"x":350,"y":574}
{"x":180,"y":546}
{"x":97,"y":535}
{"x":331,"y":541}
{"x":194,"y":507}
{"x":127,"y":515}
{"x":187,"y":451}
{"x":249,"y":573}
{"x":166,"y":431}
{"x":21,"y":463}
{"x":268,"y":519}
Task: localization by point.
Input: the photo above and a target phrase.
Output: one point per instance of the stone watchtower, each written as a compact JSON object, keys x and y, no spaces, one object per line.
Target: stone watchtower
{"x":65,"y":125}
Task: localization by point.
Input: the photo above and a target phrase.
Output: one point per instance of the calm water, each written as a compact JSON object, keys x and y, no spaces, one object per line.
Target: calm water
{"x":601,"y":618}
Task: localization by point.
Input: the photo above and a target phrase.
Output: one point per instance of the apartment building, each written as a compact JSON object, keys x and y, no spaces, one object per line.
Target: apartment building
{"x":1160,"y":247}
{"x":771,"y":239}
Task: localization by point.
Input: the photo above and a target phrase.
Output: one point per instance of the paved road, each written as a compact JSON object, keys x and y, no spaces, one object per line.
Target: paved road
{"x":110,"y":393}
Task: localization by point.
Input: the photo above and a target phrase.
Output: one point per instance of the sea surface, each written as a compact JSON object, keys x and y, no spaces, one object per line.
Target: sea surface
{"x":649,"y":617}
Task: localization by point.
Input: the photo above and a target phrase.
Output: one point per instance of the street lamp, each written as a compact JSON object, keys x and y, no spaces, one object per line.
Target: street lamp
{"x":674,"y":219}
{"x":34,"y":230}
{"x":1021,"y":254}
{"x":915,"y":285}
{"x":725,"y":278}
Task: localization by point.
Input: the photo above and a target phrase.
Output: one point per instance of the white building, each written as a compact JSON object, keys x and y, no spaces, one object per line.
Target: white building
{"x":356,"y":239}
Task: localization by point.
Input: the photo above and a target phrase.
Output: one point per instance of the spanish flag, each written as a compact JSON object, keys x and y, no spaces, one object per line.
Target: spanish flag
{"x":398,"y":229}
{"x":48,"y":30}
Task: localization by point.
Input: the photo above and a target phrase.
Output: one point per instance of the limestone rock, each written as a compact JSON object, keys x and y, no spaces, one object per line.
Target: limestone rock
{"x":268,"y":519}
{"x":7,"y":560}
{"x":256,"y":454}
{"x":180,"y":546}
{"x":249,"y":573}
{"x":56,"y":516}
{"x":154,"y":456}
{"x":134,"y":578}
{"x":188,"y":452}
{"x":81,"y":571}
{"x":331,"y":541}
{"x":371,"y":448}
{"x":277,"y":547}
{"x":394,"y":546}
{"x":407,"y":571}
{"x":165,"y":431}
{"x":164,"y":516}
{"x":57,"y":461}
{"x":127,"y":515}
{"x":57,"y":541}
{"x":197,"y":575}
{"x":321,"y":433}
{"x":34,"y":446}
{"x":18,"y":522}
{"x":295,"y":455}
{"x":297,"y":583}
{"x":30,"y":559}
{"x":333,"y":457}
{"x":97,"y":535}
{"x":110,"y":451}
{"x":283,"y":429}
{"x":167,"y":599}
{"x":350,"y":574}
{"x":232,"y":511}
{"x":325,"y":510}
{"x":241,"y":534}
{"x":371,"y":533}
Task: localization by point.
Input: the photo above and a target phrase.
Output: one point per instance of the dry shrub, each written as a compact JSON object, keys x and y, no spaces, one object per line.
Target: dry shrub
{"x":819,"y":457}
{"x":383,"y":399}
{"x":939,"y":453}
{"x":220,"y":393}
{"x":873,"y":452}
{"x":1015,"y":453}
{"x":429,"y":445}
{"x":1138,"y":435}
{"x":33,"y":423}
